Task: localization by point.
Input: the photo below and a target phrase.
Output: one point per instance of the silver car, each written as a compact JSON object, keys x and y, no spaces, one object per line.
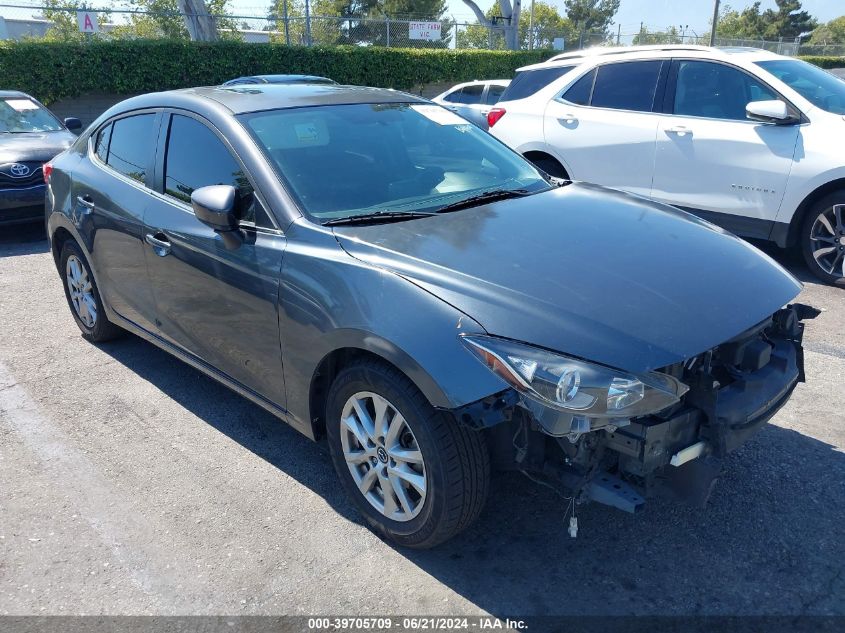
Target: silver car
{"x":473,"y":100}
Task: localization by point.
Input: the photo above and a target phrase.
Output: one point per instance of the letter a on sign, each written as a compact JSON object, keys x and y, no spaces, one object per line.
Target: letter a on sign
{"x":87,"y":21}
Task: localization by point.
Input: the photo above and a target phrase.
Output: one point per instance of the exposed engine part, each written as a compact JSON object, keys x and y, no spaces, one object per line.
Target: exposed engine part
{"x":734,"y":389}
{"x":612,"y":491}
{"x":689,"y":453}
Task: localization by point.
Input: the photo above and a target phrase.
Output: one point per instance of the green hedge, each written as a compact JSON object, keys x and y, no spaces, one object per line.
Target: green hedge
{"x":825,"y":62}
{"x":53,"y":70}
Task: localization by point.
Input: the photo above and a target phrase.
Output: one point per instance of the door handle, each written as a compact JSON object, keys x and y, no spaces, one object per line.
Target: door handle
{"x":159,"y":242}
{"x":568,"y":118}
{"x":680,"y":130}
{"x":86,"y":201}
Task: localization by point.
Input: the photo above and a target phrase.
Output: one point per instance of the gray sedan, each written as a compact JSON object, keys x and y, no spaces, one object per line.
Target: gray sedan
{"x":374,"y":270}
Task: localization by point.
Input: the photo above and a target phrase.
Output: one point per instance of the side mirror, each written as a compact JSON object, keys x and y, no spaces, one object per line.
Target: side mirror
{"x":73,"y":124}
{"x":774,"y":111}
{"x":214,"y":206}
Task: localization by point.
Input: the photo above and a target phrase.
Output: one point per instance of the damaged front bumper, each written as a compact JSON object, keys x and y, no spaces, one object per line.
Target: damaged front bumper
{"x":734,"y":389}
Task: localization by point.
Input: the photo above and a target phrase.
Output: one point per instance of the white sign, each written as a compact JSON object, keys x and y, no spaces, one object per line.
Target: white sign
{"x":558,"y":44}
{"x":87,"y":21}
{"x":424,"y":30}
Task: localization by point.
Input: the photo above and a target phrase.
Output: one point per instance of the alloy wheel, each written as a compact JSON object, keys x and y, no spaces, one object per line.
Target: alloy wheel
{"x":383,"y":456}
{"x":827,"y":240}
{"x":81,"y":291}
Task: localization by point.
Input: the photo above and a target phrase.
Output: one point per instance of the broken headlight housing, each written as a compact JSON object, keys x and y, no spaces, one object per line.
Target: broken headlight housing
{"x":575,"y":386}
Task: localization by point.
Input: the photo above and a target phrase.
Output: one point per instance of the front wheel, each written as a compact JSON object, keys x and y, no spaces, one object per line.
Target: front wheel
{"x":416,"y":475}
{"x":823,"y":239}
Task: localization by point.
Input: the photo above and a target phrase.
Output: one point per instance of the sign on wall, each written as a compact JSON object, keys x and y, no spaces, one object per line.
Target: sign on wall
{"x":424,"y":30}
{"x":87,"y":21}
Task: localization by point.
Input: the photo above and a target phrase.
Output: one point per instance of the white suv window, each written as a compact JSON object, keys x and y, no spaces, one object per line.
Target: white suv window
{"x":626,"y":86}
{"x":716,"y":91}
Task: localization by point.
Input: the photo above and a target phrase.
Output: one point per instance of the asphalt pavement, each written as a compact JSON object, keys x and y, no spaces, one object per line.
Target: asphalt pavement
{"x":132,"y":484}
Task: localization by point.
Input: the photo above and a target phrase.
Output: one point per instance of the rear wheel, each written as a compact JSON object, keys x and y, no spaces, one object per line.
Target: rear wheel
{"x":416,"y":475}
{"x":83,"y":297}
{"x":823,"y":238}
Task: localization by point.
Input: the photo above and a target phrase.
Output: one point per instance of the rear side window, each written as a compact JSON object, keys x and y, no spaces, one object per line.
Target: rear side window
{"x":131,"y":146}
{"x":626,"y":86}
{"x":529,"y":82}
{"x":494,"y":93}
{"x":472,"y":94}
{"x":579,"y":92}
{"x":196,"y":158}
{"x":101,"y":148}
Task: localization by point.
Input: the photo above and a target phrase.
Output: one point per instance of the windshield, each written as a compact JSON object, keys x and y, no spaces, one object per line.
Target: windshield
{"x":19,"y":114}
{"x":822,"y":89}
{"x":348,"y":160}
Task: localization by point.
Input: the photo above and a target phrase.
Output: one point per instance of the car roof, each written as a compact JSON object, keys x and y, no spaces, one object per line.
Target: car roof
{"x":280,"y":79}
{"x":601,"y":53}
{"x":13,"y":93}
{"x":244,"y":98}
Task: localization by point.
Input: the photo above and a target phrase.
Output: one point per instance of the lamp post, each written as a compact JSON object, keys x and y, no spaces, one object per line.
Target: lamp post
{"x":715,"y":22}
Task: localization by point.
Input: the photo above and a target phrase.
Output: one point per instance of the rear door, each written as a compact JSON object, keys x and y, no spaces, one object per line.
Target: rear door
{"x":711,"y":159}
{"x":603,"y":127}
{"x":219,"y":305}
{"x":110,"y":192}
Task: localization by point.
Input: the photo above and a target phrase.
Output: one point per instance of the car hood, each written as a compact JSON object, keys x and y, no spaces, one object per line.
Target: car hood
{"x":34,"y":146}
{"x":586,"y":271}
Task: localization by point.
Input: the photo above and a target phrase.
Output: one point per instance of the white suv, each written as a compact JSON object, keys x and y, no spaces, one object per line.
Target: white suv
{"x":747,"y":139}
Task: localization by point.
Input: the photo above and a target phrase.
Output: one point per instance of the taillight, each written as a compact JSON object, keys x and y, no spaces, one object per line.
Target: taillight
{"x":494,"y":115}
{"x":46,"y":170}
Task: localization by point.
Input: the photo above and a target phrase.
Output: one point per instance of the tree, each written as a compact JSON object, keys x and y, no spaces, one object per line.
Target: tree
{"x":507,"y":20}
{"x":831,"y":33}
{"x":323,"y":31}
{"x":548,"y":24}
{"x":669,"y":36}
{"x":592,"y":16}
{"x":62,"y":14}
{"x":788,"y":21}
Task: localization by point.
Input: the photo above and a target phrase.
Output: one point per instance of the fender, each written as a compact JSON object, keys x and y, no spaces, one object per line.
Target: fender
{"x":331,"y":302}
{"x":795,"y":196}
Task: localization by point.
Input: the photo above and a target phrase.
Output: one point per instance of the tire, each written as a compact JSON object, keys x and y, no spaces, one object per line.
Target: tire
{"x":816,"y":236}
{"x":454,"y":468}
{"x":550,"y":166}
{"x":82,"y":296}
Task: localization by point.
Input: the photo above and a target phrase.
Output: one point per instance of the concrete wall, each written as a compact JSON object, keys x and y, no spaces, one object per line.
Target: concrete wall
{"x":87,"y":107}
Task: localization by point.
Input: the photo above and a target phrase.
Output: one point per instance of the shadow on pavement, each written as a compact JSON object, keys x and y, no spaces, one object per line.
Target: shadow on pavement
{"x":23,"y":239}
{"x":768,"y":543}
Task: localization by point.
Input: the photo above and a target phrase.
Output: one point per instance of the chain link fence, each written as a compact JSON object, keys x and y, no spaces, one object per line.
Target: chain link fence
{"x":20,"y":21}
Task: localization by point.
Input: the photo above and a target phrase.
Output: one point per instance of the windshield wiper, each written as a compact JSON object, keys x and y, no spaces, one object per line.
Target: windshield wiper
{"x":378,"y":217}
{"x":487,"y":196}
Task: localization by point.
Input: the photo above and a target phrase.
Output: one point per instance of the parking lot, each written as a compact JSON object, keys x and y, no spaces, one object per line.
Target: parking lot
{"x":132,"y":484}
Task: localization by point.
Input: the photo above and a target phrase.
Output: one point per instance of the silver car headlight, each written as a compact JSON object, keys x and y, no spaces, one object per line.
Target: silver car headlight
{"x":575,"y":386}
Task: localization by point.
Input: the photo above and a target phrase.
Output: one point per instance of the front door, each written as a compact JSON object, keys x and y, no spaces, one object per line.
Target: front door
{"x":711,"y":159}
{"x":219,"y":304}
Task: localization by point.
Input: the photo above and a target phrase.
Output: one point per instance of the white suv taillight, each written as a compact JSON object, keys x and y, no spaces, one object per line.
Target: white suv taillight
{"x":494,"y":115}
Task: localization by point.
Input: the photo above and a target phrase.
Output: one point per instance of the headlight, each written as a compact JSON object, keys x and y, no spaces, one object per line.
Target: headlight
{"x":576,"y":386}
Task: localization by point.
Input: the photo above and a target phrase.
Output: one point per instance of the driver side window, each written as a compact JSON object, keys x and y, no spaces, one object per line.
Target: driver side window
{"x":716,"y":91}
{"x":196,"y":158}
